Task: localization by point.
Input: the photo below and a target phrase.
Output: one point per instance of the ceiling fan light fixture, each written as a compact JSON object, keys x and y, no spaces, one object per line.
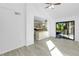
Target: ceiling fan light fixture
{"x":52,"y":6}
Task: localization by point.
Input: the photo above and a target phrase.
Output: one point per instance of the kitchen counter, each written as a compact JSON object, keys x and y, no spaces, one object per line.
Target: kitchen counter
{"x":39,"y":35}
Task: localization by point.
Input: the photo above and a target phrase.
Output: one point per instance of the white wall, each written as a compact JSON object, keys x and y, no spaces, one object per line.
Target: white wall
{"x":52,"y":23}
{"x":31,"y":11}
{"x":12,"y":27}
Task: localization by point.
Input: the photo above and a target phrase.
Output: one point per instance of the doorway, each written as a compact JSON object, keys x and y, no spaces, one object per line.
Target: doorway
{"x":40,"y":28}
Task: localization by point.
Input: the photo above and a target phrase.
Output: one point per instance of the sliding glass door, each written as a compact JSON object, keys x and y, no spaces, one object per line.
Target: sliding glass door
{"x":65,"y":29}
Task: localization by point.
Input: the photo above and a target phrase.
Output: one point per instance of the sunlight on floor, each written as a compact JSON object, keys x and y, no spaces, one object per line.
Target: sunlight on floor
{"x":50,"y":45}
{"x":54,"y":51}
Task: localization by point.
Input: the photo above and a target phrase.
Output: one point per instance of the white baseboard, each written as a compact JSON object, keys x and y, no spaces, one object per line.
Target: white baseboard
{"x":2,"y":52}
{"x":29,"y":43}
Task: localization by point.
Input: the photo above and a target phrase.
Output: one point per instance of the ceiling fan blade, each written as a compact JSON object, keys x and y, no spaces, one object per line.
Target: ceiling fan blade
{"x":51,"y":7}
{"x":53,"y":3}
{"x":56,"y":3}
{"x":47,"y":3}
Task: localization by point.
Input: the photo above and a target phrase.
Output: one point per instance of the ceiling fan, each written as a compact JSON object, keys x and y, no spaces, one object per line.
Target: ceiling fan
{"x":52,"y":5}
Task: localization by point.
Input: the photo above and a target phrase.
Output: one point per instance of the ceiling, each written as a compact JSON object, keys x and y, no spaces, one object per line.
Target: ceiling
{"x":65,"y":9}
